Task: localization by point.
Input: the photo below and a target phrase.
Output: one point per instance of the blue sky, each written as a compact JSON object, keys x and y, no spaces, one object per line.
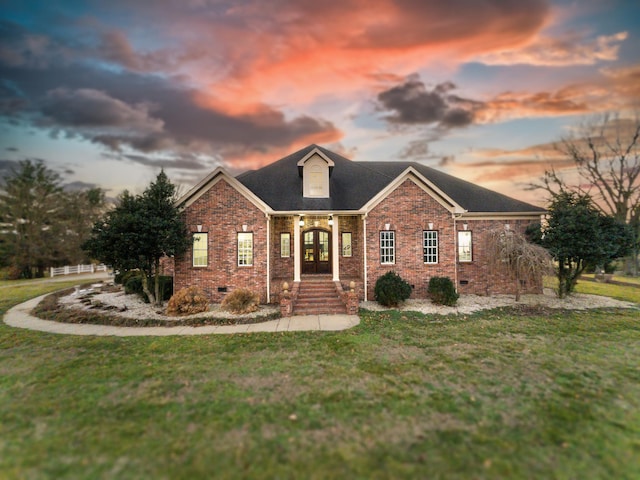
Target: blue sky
{"x":108,"y":93}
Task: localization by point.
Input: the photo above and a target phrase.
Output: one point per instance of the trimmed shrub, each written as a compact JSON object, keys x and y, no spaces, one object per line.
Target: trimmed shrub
{"x":391,"y":289}
{"x":188,"y":301}
{"x":241,"y":301}
{"x":442,"y":291}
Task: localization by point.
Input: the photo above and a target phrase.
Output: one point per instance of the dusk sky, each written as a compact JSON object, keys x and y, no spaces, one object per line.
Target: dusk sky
{"x":109,"y":92}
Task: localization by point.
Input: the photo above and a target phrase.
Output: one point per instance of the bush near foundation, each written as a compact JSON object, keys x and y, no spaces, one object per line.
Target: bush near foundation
{"x":241,"y":301}
{"x":442,"y":291}
{"x":188,"y":301}
{"x":391,"y":290}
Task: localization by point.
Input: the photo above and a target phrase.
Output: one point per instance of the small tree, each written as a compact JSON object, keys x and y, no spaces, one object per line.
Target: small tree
{"x":510,"y":253}
{"x":578,"y":236}
{"x":139,"y":232}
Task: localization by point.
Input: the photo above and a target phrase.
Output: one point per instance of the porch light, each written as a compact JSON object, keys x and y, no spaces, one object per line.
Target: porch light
{"x":301,"y":222}
{"x":465,"y":226}
{"x":331,"y":220}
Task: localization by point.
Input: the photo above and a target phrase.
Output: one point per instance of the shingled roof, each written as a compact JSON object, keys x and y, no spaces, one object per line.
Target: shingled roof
{"x":353,"y":184}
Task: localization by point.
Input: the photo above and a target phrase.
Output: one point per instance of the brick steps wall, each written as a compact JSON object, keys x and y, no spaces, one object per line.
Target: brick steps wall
{"x":318,"y":296}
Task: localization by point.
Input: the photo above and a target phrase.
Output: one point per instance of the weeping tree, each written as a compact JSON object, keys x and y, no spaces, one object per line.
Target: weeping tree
{"x":139,"y":231}
{"x":509,"y":252}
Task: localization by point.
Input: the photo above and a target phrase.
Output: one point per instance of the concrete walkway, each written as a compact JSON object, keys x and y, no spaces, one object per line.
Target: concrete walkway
{"x":20,"y":316}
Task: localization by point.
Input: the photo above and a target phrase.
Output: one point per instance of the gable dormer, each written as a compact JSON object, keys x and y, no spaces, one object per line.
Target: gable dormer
{"x":315,"y":169}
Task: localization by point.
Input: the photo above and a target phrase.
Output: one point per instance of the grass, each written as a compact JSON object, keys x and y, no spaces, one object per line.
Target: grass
{"x":500,"y":394}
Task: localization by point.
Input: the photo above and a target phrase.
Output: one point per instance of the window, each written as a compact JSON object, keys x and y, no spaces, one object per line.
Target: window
{"x":387,"y":247}
{"x":245,"y":249}
{"x":200,"y":244}
{"x":430,"y":246}
{"x":316,"y":181}
{"x":346,"y":244}
{"x":464,"y":247}
{"x":285,"y":245}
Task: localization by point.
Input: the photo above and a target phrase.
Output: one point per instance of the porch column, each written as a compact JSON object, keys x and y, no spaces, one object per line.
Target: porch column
{"x":335,"y":248}
{"x":296,"y":247}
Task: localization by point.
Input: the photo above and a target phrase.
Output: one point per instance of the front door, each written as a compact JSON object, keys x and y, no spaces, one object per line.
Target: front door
{"x":316,"y":251}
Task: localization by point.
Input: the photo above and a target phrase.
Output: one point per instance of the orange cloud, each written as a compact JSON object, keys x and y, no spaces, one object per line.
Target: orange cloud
{"x":290,"y":52}
{"x":572,"y":49}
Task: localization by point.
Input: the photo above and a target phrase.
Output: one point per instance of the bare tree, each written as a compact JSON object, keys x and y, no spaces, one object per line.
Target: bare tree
{"x":510,"y":253}
{"x":606,"y":153}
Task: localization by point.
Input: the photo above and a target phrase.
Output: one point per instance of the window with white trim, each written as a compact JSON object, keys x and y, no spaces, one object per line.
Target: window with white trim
{"x":200,"y":249}
{"x":430,"y":246}
{"x":245,"y":249}
{"x":285,"y":245}
{"x":465,"y":246}
{"x":387,"y":247}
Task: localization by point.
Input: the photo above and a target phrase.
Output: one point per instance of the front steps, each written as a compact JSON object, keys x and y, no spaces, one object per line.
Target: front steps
{"x":317,"y":295}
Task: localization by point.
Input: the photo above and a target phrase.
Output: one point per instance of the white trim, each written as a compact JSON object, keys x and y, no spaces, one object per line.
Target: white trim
{"x":416,"y":177}
{"x":296,"y":248}
{"x":501,"y":215}
{"x":315,"y":151}
{"x":212,"y":179}
{"x":268,"y":258}
{"x":364,"y":242}
{"x":335,"y":249}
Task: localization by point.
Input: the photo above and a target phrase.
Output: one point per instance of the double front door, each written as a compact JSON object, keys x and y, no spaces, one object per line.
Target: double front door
{"x":316,"y":251}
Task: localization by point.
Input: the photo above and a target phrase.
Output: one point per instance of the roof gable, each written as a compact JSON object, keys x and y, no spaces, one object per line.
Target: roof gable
{"x":210,"y":180}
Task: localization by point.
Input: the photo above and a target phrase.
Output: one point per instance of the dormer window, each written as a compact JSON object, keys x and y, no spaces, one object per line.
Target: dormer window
{"x":316,"y":170}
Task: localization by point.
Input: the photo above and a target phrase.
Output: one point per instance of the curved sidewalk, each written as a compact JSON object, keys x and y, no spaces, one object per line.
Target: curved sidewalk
{"x":20,"y":317}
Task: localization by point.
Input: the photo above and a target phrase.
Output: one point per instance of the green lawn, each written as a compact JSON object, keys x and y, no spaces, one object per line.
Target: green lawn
{"x":493,"y":395}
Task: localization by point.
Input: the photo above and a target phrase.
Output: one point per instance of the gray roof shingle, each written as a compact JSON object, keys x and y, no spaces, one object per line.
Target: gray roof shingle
{"x":353,"y":184}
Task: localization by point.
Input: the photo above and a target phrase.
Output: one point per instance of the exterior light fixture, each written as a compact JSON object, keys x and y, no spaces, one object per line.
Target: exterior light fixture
{"x":507,"y":226}
{"x":465,"y":226}
{"x":301,"y":222}
{"x":199,"y":227}
{"x":331,"y":220}
{"x":244,"y":227}
{"x":387,"y":226}
{"x":430,"y":225}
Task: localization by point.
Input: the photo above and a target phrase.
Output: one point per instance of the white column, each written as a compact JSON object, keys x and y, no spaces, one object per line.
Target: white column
{"x":364,"y":248}
{"x":295,"y":248}
{"x":335,"y":248}
{"x":268,"y":258}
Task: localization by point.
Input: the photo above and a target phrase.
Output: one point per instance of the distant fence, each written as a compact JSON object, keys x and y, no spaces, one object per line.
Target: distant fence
{"x":74,"y":269}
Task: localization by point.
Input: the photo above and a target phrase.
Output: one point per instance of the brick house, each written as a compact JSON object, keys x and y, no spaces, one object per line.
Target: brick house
{"x":315,"y":219}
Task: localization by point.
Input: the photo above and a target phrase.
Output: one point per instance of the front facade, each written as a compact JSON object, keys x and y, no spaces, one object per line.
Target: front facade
{"x":315,"y":214}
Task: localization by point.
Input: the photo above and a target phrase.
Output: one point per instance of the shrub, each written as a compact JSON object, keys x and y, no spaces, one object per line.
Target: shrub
{"x":241,"y":301}
{"x":188,"y":301}
{"x":442,"y":291}
{"x":132,"y":282}
{"x":391,"y":289}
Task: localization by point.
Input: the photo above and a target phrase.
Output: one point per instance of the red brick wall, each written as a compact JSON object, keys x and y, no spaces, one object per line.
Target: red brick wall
{"x":222,"y":211}
{"x":282,"y":268}
{"x":479,"y":277}
{"x":351,"y":267}
{"x":409,"y":210}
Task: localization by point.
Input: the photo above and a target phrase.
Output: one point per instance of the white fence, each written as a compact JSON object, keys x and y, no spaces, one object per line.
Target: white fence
{"x":74,"y":269}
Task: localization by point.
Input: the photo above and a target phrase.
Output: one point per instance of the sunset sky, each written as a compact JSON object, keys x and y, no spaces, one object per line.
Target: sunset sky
{"x":108,"y":92}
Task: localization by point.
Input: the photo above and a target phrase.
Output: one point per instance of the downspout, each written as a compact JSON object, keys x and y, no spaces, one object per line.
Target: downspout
{"x":364,"y":243}
{"x":455,"y":251}
{"x":268,"y":257}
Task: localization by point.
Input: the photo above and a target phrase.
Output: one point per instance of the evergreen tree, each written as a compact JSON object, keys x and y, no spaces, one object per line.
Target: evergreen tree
{"x":139,"y":232}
